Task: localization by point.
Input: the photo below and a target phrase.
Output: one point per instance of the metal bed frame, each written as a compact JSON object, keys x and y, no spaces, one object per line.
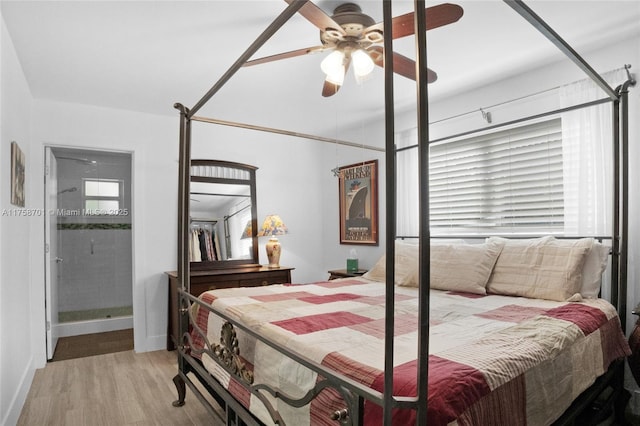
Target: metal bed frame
{"x":354,"y":393}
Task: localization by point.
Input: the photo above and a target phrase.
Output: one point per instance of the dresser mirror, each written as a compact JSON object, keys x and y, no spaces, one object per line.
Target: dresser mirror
{"x":223,"y":215}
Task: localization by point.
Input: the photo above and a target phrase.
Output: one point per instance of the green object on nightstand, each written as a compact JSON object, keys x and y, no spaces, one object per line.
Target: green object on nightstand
{"x":352,"y":265}
{"x":352,"y":261}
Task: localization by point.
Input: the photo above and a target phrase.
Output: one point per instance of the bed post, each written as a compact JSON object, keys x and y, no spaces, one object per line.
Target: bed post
{"x":624,"y":194}
{"x":617,"y":204}
{"x":184,"y":173}
{"x":390,"y":191}
{"x":424,"y":216}
{"x":620,"y":142}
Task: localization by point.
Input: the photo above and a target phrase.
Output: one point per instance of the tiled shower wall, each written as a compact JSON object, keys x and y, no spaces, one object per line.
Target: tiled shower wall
{"x":96,"y":271}
{"x":96,"y":251}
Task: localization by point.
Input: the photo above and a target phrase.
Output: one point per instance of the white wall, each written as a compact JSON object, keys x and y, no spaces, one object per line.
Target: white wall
{"x":152,"y":142}
{"x":19,"y":300}
{"x":288,"y":179}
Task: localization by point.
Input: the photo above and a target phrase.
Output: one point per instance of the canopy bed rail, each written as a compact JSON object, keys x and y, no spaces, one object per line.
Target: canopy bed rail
{"x":286,"y":133}
{"x":227,"y":353}
{"x":188,"y":364}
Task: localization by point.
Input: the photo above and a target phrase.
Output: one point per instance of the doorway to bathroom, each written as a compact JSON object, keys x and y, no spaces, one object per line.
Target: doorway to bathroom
{"x":88,"y":247}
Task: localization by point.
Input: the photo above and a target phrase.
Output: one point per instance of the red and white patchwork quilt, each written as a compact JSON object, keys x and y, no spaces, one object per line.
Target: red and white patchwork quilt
{"x":493,"y":360}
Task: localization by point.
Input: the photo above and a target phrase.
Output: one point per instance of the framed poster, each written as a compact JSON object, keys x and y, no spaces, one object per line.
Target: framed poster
{"x":17,"y":175}
{"x":358,"y":189}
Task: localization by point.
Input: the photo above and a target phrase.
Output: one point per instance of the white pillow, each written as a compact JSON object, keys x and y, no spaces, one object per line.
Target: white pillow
{"x":594,"y":266}
{"x":406,"y":264}
{"x":541,"y":268}
{"x":462,"y":267}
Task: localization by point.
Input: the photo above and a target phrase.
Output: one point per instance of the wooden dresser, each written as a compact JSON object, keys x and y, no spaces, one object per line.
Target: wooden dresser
{"x":213,"y":279}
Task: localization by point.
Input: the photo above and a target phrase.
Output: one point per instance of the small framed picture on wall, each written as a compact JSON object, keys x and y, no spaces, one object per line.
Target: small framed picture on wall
{"x":358,"y":189}
{"x":17,"y":175}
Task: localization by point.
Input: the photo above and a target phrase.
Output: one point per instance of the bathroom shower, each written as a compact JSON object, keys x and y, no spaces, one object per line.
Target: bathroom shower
{"x":93,"y":254}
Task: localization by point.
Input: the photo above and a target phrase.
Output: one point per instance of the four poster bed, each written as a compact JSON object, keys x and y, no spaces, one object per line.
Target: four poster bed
{"x":511,"y":332}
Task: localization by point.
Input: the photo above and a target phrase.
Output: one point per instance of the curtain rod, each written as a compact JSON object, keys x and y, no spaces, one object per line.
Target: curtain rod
{"x":516,"y":121}
{"x":284,"y":132}
{"x":462,"y":114}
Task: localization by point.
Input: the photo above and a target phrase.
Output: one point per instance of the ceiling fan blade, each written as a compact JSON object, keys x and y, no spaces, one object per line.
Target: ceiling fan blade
{"x":437,"y":16}
{"x":317,"y":17}
{"x":286,"y":55}
{"x":401,"y":64}
{"x":329,"y":89}
{"x":431,"y":75}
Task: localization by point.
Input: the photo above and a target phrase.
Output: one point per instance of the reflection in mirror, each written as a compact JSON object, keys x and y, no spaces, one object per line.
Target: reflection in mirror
{"x":222,"y":211}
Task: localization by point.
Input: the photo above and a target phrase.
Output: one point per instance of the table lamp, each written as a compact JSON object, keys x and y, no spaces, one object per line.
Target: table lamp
{"x":272,"y":227}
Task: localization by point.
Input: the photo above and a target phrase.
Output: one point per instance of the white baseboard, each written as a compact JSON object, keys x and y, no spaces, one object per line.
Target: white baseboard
{"x":94,"y":326}
{"x":19,"y":398}
{"x":156,"y":343}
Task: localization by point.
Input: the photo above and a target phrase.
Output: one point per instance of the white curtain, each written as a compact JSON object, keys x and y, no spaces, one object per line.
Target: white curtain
{"x":407,"y":191}
{"x":587,"y":157}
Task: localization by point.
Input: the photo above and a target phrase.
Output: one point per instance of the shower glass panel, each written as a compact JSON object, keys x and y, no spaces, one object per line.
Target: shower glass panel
{"x":94,"y":235}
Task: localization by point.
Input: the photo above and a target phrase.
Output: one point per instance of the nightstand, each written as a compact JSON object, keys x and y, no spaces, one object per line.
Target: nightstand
{"x":343,"y":273}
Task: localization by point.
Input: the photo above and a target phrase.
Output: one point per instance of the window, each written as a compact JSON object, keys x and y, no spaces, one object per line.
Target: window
{"x":103,"y":197}
{"x":504,"y":182}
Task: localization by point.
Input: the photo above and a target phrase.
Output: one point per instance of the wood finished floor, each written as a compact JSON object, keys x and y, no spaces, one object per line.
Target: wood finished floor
{"x":123,"y":388}
{"x":117,"y":389}
{"x":93,"y":344}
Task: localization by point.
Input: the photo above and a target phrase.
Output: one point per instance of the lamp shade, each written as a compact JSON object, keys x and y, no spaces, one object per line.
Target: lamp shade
{"x":362,"y":64}
{"x":333,"y":67}
{"x":273,"y":225}
{"x":248,"y":231}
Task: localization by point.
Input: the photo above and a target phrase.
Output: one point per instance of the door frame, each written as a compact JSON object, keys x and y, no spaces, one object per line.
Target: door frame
{"x":109,"y":324}
{"x":50,"y":251}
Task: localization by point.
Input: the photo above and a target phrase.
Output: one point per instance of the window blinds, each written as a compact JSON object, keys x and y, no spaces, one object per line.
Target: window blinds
{"x":504,"y":182}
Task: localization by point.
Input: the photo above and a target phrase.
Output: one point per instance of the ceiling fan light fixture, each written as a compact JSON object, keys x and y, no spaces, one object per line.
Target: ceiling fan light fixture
{"x":337,"y":78}
{"x":333,"y":67}
{"x":362,"y":64}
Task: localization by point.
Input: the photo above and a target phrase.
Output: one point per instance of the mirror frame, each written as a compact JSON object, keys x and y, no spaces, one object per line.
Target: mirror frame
{"x":248,"y":177}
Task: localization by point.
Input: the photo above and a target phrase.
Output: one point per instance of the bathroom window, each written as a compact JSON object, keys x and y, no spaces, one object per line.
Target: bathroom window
{"x":103,"y":197}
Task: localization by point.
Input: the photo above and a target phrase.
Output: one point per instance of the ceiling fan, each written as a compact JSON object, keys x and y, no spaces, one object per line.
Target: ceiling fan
{"x":356,"y":39}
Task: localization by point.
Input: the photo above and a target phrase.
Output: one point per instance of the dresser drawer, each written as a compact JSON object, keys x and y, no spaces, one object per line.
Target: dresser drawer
{"x":198,"y":288}
{"x":265,"y":279}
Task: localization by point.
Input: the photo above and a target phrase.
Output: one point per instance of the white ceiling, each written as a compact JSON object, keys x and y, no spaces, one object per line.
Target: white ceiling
{"x":147,"y":55}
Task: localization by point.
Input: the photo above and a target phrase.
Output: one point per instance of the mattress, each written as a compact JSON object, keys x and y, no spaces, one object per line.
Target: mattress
{"x":493,"y":360}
